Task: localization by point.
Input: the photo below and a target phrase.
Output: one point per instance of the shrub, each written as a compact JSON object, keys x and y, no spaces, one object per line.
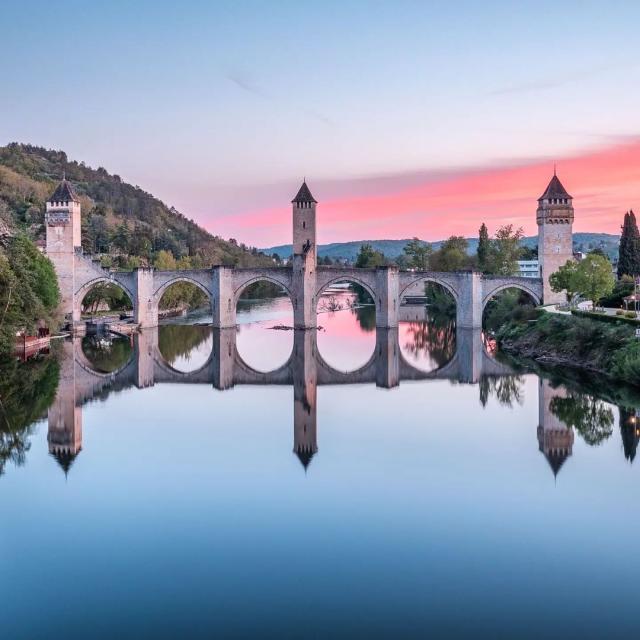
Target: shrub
{"x":617,"y":319}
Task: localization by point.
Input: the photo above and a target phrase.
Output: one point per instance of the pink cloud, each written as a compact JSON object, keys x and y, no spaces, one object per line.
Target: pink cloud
{"x":604,"y":182}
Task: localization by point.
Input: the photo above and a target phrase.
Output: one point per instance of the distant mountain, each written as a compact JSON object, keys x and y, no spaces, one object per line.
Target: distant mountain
{"x":116,"y":216}
{"x":394,"y":248}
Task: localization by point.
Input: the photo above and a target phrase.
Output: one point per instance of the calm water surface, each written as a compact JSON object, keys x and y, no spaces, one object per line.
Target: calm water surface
{"x":347,"y":484}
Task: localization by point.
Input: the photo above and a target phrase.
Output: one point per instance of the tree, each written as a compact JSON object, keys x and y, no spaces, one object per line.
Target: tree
{"x":121,"y":237}
{"x":452,"y":255}
{"x":529,"y":253}
{"x":164,"y":261}
{"x":505,"y":251}
{"x":484,"y":248}
{"x":564,"y":279}
{"x":629,"y":250}
{"x":28,"y":289}
{"x":418,"y":254}
{"x":593,"y":278}
{"x":369,"y":258}
{"x":623,"y":288}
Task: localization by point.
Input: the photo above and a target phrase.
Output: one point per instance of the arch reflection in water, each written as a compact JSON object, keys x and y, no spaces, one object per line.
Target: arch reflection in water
{"x":561,"y":412}
{"x":264,"y":314}
{"x":347,"y":315}
{"x":106,"y":352}
{"x":427,"y":325}
{"x":185,"y":347}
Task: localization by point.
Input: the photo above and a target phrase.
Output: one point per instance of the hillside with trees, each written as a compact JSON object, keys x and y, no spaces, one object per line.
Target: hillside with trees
{"x":124,"y":223}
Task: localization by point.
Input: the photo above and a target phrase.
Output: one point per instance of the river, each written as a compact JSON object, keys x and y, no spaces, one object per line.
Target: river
{"x":393,"y":484}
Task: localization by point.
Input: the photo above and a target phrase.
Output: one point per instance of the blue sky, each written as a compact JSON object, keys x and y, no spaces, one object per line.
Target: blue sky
{"x":220,"y":108}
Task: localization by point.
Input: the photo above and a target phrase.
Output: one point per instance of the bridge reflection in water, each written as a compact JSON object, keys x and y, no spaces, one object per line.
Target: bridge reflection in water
{"x":304,"y":370}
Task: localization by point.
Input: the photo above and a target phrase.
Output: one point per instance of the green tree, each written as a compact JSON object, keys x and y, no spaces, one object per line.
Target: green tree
{"x":593,"y":278}
{"x":28,"y":289}
{"x":164,"y":261}
{"x":623,"y":288}
{"x":418,"y":253}
{"x":506,"y":250}
{"x":452,"y":255}
{"x":369,"y":258}
{"x":564,"y":279}
{"x":121,"y":237}
{"x":484,"y":248}
{"x":629,"y":250}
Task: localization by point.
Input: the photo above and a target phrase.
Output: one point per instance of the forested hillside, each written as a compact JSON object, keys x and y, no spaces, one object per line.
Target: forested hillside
{"x":123,"y":222}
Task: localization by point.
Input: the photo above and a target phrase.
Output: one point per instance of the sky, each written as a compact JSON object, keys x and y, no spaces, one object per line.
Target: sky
{"x":406,"y":118}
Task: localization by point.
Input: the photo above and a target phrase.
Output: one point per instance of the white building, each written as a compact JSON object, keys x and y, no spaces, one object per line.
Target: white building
{"x":529,"y":268}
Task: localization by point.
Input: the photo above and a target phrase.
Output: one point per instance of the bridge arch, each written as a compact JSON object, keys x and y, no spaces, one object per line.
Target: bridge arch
{"x":428,"y":277}
{"x":176,"y":279}
{"x":86,"y":287}
{"x":346,"y":277}
{"x":260,"y":347}
{"x":347,"y":343}
{"x":240,"y":288}
{"x":491,"y":292}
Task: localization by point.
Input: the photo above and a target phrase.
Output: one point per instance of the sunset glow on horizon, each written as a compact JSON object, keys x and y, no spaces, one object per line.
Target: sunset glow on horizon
{"x":605,"y":183}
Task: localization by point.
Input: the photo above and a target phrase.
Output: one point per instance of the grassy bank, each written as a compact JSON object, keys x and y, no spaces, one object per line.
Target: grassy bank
{"x":611,"y":350}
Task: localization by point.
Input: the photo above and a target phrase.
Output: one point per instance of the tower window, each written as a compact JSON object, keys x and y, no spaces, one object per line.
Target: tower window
{"x":304,"y":224}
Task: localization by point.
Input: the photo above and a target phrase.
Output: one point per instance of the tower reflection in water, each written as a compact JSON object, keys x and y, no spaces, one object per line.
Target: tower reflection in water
{"x":305,"y":370}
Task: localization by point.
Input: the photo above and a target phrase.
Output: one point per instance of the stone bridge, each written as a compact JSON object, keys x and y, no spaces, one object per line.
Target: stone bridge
{"x":302,"y":279}
{"x":223,"y":287}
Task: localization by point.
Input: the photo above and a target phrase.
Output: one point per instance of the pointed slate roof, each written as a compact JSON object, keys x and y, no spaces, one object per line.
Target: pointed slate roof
{"x":304,"y":195}
{"x":556,"y":459}
{"x":65,"y":459}
{"x":64,"y":193}
{"x":305,"y":455}
{"x":555,"y":189}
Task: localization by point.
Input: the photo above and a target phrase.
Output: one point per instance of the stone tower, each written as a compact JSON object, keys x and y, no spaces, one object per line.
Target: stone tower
{"x":304,"y":259}
{"x":555,"y":438}
{"x":62,"y":220}
{"x":555,"y":235}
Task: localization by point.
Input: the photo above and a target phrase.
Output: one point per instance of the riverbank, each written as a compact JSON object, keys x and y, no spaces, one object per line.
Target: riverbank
{"x":609,"y":350}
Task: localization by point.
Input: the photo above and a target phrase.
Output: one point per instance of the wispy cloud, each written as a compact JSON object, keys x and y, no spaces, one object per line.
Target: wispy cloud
{"x":245,"y":82}
{"x":560,"y":80}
